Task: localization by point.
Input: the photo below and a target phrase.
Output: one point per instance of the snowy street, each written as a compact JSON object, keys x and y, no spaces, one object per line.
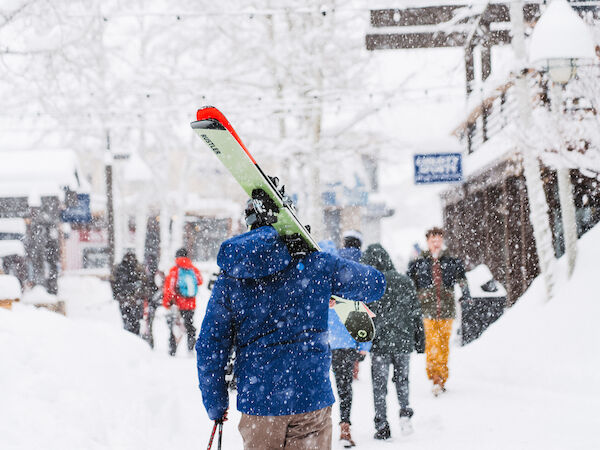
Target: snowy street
{"x":530,"y":382}
{"x":283,"y":186}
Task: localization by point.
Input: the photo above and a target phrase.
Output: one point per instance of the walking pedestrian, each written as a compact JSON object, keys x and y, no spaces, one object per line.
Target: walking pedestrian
{"x":273,"y":295}
{"x":435,"y":273}
{"x":345,"y":353}
{"x":399,"y":324}
{"x":179,"y":291}
{"x":351,"y":249}
{"x":128,"y":282}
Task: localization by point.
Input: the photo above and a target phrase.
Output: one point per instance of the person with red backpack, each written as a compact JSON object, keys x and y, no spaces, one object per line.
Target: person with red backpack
{"x":180,"y":289}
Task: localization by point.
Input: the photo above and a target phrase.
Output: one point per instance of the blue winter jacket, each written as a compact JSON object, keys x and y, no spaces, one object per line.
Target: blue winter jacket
{"x":351,"y":253}
{"x":276,"y":307}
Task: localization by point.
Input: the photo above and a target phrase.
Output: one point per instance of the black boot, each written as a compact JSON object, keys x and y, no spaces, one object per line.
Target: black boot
{"x":406,"y":412}
{"x":383,"y":433}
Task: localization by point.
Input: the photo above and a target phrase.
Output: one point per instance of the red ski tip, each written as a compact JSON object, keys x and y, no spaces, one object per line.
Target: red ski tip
{"x":210,"y":112}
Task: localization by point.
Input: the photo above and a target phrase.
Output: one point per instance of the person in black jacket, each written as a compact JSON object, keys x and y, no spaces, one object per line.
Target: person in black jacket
{"x":435,"y":272}
{"x":128,"y":282}
{"x":399,"y":324}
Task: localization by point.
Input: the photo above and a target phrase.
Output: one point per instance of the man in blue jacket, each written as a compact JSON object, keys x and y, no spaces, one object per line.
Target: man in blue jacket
{"x":273,"y":296}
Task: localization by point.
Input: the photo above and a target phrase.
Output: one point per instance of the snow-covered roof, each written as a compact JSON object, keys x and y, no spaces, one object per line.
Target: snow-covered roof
{"x":561,"y":34}
{"x":10,"y":288}
{"x":36,"y":173}
{"x":498,"y":146}
{"x":136,"y":169}
{"x":11,"y":247}
{"x":220,"y":208}
{"x":12,"y":225}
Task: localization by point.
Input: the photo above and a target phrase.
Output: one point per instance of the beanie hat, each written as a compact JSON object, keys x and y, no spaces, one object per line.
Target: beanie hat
{"x":353,"y":234}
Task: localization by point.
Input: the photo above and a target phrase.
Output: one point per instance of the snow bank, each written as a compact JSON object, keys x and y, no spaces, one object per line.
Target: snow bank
{"x":69,"y":384}
{"x":38,"y":294}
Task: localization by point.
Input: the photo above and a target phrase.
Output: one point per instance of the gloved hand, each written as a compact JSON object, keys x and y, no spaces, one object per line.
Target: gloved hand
{"x":297,"y":246}
{"x":222,"y":419}
{"x":465,"y":299}
{"x":261,"y":210}
{"x":361,"y":356}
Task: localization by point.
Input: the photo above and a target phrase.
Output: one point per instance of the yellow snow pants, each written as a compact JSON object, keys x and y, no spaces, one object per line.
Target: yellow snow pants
{"x":437,"y":339}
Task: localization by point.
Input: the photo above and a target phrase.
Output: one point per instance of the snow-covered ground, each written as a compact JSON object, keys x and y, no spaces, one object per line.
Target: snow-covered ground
{"x":532,"y":381}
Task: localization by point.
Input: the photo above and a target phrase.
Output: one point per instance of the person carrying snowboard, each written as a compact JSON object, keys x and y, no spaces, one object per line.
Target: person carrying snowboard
{"x":345,"y":353}
{"x":273,"y":296}
{"x":399,"y":324}
{"x":352,"y":241}
{"x":180,"y":289}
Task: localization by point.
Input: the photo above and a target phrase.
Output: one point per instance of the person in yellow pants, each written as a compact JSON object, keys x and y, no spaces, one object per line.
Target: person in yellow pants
{"x":435,"y":273}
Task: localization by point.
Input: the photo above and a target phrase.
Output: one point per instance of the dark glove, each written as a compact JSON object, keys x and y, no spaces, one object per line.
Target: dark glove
{"x":261,"y":210}
{"x":222,"y":419}
{"x":361,"y":357}
{"x":297,"y":246}
{"x":465,"y":299}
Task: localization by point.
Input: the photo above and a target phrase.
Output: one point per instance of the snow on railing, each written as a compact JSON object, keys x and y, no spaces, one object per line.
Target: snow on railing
{"x":499,"y":110}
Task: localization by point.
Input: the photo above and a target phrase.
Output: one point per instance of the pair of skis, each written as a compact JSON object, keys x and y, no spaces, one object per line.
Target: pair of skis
{"x":220,"y":137}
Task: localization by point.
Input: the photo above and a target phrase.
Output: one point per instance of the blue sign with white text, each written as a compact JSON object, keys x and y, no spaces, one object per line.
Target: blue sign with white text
{"x":438,"y":168}
{"x":79,"y":212}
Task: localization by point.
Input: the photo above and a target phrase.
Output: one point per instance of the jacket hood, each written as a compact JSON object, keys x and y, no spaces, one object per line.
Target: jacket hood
{"x":256,"y":254}
{"x":351,"y":253}
{"x":184,"y":262}
{"x":129,"y":260}
{"x":376,"y":256}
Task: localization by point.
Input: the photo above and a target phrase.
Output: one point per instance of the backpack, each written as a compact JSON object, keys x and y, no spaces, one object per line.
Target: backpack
{"x":187,"y":283}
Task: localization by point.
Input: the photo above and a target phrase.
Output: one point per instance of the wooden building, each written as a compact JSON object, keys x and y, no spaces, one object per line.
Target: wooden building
{"x":487,"y":221}
{"x":487,"y":216}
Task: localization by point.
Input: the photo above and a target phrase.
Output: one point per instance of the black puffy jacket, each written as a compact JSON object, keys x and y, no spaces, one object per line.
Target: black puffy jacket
{"x":128,"y":280}
{"x":398,"y":320}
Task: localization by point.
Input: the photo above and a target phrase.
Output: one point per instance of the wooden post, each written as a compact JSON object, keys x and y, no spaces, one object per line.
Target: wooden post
{"x":110,"y":213}
{"x":486,"y":69}
{"x":469,"y":68}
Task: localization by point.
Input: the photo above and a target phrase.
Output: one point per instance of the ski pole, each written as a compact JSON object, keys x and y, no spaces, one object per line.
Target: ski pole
{"x":212,"y":436}
{"x":220,"y":436}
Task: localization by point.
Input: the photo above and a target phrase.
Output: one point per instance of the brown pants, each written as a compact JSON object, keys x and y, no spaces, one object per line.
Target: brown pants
{"x":311,"y":430}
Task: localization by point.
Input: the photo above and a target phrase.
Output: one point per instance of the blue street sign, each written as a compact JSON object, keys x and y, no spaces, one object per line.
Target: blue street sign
{"x":438,"y":168}
{"x":79,"y":212}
